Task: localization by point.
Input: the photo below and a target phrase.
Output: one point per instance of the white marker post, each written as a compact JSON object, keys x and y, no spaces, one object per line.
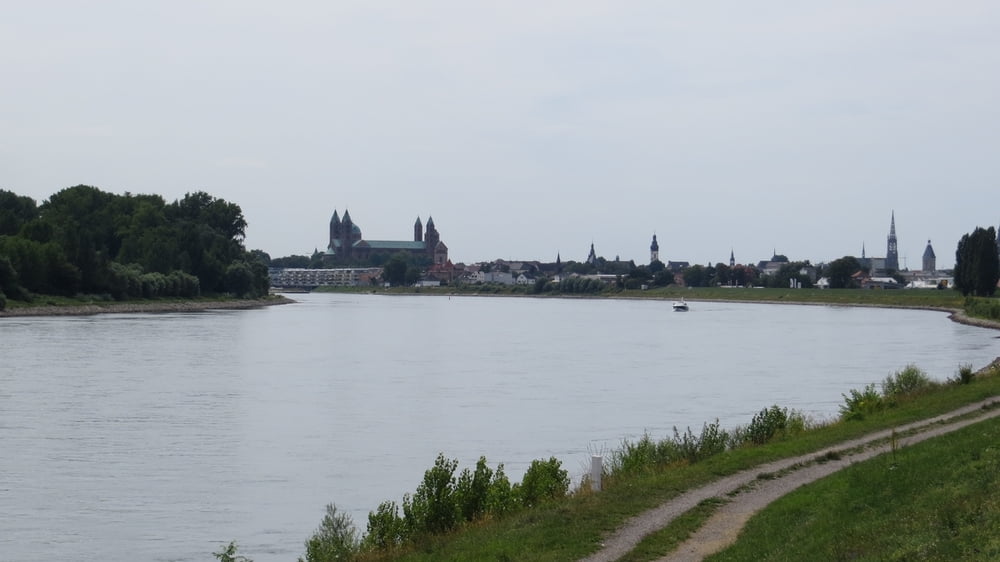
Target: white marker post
{"x":596,"y":470}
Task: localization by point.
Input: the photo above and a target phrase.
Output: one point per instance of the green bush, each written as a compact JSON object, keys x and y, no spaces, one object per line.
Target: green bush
{"x":386,"y":529}
{"x":988,"y":308}
{"x":766,"y":424}
{"x":909,"y":381}
{"x":432,"y":508}
{"x":336,"y":538}
{"x":859,"y":404}
{"x":544,"y":480}
{"x":965,"y":375}
{"x":472,"y":490}
{"x":500,"y":498}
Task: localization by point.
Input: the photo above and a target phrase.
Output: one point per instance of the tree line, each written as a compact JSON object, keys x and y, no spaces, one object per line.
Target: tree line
{"x":83,"y":240}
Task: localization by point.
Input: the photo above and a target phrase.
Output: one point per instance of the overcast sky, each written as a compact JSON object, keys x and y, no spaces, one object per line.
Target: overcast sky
{"x":524,"y":128}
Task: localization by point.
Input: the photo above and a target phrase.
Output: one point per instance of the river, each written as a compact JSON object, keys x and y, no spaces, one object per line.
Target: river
{"x":165,"y":436}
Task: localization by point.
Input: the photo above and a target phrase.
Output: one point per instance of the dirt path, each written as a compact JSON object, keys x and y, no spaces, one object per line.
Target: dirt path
{"x":751,"y":494}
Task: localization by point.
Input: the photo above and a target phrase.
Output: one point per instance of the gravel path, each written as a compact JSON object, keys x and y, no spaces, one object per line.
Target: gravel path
{"x":751,"y":494}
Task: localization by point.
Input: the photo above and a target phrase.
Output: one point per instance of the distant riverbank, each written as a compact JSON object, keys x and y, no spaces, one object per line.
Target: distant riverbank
{"x":86,"y":309}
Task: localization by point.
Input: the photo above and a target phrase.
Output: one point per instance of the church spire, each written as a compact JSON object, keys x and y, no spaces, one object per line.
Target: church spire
{"x":891,"y":251}
{"x":732,"y":258}
{"x":654,"y":250}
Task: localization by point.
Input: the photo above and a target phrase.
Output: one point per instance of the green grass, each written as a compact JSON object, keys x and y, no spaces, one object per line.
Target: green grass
{"x":937,"y":500}
{"x":931,"y":299}
{"x":573,"y":528}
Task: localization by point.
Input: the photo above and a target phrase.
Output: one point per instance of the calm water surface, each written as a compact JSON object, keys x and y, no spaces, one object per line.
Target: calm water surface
{"x":165,"y":436}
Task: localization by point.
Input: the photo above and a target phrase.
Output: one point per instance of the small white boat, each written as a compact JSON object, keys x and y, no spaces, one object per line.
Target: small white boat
{"x":680,"y":306}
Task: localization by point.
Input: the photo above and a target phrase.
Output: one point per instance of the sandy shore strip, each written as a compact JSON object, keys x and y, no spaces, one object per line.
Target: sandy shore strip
{"x":145,"y":306}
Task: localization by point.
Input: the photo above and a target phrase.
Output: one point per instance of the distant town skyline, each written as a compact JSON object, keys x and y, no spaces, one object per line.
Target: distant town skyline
{"x":525,"y":129}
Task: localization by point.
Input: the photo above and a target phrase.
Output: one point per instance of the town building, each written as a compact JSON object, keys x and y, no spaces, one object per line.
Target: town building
{"x":348,"y":246}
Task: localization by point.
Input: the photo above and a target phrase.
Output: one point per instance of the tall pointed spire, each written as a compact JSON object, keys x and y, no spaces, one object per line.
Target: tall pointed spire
{"x":732,"y":258}
{"x":891,"y":252}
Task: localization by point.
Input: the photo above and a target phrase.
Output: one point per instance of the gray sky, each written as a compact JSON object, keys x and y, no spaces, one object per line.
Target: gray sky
{"x":524,"y":128}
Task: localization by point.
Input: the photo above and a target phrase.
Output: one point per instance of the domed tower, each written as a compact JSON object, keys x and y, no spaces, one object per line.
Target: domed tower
{"x":654,"y":250}
{"x":418,"y":231}
{"x":930,"y":260}
{"x":891,"y":253}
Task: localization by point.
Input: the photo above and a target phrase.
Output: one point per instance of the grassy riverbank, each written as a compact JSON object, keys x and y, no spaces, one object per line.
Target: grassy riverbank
{"x":573,"y":527}
{"x":930,"y":299}
{"x":937,"y":500}
{"x":65,"y":306}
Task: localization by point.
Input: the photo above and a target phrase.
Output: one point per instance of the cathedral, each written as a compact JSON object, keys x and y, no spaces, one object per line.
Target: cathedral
{"x":348,"y":246}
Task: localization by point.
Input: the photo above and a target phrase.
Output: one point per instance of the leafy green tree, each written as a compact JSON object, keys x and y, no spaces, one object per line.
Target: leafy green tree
{"x":336,"y":538}
{"x":433,"y":508}
{"x":394,"y":271}
{"x":696,"y":276}
{"x":261,"y":256}
{"x":15,"y":212}
{"x":723,"y":275}
{"x":840,"y":272}
{"x":83,"y":224}
{"x":412,"y":275}
{"x":239,"y":279}
{"x":977,"y":265}
{"x":293,"y":261}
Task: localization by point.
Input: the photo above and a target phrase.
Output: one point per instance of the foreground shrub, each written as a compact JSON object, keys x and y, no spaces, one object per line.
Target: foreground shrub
{"x":544,"y":480}
{"x":386,"y":529}
{"x":500,"y":498}
{"x":766,"y":424}
{"x":712,"y":441}
{"x":911,"y":380}
{"x":228,"y":554}
{"x":336,"y":538}
{"x":432,"y":508}
{"x":472,"y":491}
{"x":964,"y":376}
{"x":860,"y":404}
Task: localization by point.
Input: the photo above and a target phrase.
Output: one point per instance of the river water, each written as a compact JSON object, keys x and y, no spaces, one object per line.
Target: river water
{"x":165,"y":436}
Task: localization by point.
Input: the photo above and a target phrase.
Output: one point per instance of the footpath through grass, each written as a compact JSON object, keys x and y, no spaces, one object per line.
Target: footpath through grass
{"x":936,"y":500}
{"x":572,"y":528}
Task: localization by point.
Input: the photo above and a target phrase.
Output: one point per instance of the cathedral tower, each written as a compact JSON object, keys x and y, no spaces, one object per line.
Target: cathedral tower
{"x":891,"y":252}
{"x":335,"y":228}
{"x":930,"y":260}
{"x":418,"y":231}
{"x":654,"y":251}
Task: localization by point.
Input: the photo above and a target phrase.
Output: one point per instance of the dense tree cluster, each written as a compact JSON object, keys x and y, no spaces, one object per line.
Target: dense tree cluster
{"x":977,"y":265}
{"x":86,"y":241}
